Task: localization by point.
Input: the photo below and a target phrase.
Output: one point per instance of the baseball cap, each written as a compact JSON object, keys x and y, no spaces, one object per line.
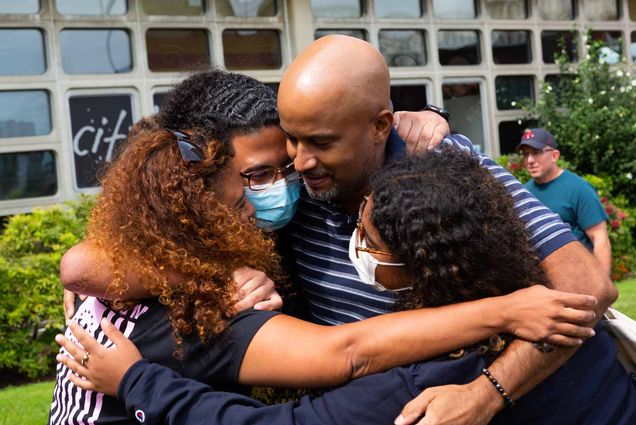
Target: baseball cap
{"x":537,"y":138}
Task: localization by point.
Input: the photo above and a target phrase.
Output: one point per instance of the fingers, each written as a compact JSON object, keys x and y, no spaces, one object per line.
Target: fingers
{"x":275,"y":302}
{"x":262,"y":293}
{"x":573,"y":331}
{"x":81,"y":382}
{"x":577,"y":317}
{"x":578,"y":301}
{"x":241,"y":277}
{"x":76,"y":369}
{"x":69,"y":304}
{"x":88,"y":342}
{"x":415,"y":408}
{"x":112,"y":333}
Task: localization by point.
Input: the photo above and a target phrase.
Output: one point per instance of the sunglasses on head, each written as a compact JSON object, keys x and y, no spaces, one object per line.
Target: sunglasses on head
{"x":189,"y":152}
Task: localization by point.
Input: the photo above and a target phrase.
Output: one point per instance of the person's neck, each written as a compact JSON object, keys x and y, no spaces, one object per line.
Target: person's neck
{"x":553,"y":174}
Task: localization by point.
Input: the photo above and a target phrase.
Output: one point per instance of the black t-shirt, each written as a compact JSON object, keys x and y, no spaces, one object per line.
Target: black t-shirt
{"x":147,"y":325}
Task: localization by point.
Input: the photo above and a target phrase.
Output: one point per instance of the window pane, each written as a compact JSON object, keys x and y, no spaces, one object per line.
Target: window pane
{"x":633,"y":47}
{"x":24,"y":113}
{"x":511,"y":47}
{"x":394,"y":9}
{"x":553,"y":41}
{"x":336,"y":8}
{"x":403,"y":47}
{"x":459,"y":47}
{"x":463,"y":101}
{"x":246,"y":7}
{"x":91,"y":7}
{"x":27,"y":175}
{"x":361,"y":34}
{"x":251,"y":49}
{"x":171,"y":50}
{"x":19,"y":6}
{"x":510,"y":133}
{"x":600,"y":10}
{"x":507,"y":9}
{"x":613,"y":48}
{"x":22,"y":52}
{"x":409,"y":97}
{"x":632,"y":10}
{"x":157,"y":100}
{"x":173,"y":7}
{"x":454,"y":9}
{"x":511,"y":89}
{"x":99,"y":124}
{"x":96,"y":51}
{"x":556,"y":10}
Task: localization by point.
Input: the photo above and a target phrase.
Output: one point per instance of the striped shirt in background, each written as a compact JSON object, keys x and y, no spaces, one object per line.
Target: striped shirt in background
{"x":320,"y":231}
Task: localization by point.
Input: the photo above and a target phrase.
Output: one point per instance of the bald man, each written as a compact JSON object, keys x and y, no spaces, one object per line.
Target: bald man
{"x":334,"y":108}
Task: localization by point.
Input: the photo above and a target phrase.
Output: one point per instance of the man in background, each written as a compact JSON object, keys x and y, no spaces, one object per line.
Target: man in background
{"x":565,"y":193}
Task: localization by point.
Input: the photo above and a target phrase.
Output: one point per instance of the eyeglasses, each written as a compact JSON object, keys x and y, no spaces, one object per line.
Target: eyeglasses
{"x":189,"y":152}
{"x":360,"y":239}
{"x":534,"y":152}
{"x":266,"y":176}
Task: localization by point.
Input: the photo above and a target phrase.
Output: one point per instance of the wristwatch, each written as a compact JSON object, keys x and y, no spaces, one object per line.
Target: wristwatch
{"x":439,"y":111}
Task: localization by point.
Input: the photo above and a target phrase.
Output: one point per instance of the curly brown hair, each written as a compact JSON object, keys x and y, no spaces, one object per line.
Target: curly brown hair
{"x":159,"y":213}
{"x":455,"y":227}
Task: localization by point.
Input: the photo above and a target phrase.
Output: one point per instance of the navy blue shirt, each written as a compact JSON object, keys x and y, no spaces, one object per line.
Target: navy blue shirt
{"x":591,"y":388}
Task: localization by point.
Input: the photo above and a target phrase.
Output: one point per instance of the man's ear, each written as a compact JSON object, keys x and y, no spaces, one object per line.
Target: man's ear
{"x":382,"y":124}
{"x":556,"y":154}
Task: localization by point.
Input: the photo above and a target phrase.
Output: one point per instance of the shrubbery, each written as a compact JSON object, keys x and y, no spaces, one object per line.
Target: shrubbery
{"x":590,"y":111}
{"x":31,"y":311}
{"x":621,"y":223}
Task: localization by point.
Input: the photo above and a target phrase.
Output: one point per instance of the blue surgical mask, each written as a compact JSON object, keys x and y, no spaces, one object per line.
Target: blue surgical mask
{"x":276,"y":205}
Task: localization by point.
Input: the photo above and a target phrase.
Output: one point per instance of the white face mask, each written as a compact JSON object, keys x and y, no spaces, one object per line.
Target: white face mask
{"x":365,"y":264}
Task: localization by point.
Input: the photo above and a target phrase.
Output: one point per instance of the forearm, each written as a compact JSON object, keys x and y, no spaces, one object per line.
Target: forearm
{"x":603,"y":254}
{"x":301,"y":354}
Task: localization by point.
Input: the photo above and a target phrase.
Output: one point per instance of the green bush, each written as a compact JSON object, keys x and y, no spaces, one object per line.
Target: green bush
{"x":621,"y":223}
{"x":590,"y":110}
{"x":31,"y":311}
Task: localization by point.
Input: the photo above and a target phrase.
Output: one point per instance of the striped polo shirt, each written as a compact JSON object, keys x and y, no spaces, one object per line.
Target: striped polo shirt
{"x":320,"y":231}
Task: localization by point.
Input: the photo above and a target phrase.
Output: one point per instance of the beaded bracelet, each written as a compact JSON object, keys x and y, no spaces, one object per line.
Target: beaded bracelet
{"x":504,"y":394}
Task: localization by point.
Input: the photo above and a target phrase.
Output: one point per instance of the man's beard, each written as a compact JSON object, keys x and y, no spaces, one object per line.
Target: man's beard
{"x":330,"y":195}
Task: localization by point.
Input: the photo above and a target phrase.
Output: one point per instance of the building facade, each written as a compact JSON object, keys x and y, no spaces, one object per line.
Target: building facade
{"x":75,"y":74}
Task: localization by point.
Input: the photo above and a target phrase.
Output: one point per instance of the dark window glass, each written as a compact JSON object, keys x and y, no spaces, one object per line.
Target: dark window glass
{"x":510,"y":133}
{"x":632,"y":47}
{"x":92,"y":7}
{"x":613,"y":49}
{"x":403,"y":47}
{"x":101,"y":51}
{"x":361,"y":34}
{"x":556,"y":10}
{"x":511,"y":47}
{"x":336,"y":8}
{"x":560,"y":83}
{"x":22,"y":52}
{"x":24,"y":113}
{"x":27,"y":175}
{"x":99,"y":125}
{"x":251,"y":49}
{"x":173,"y":50}
{"x":507,"y":9}
{"x":173,"y":7}
{"x":454,"y":9}
{"x":511,"y":89}
{"x":409,"y":97}
{"x":463,"y":101}
{"x":246,"y":8}
{"x":19,"y":6}
{"x":459,"y":47}
{"x":157,"y":100}
{"x":600,"y":10}
{"x":273,"y":86}
{"x":397,"y":9}
{"x":632,"y":10}
{"x":552,"y":42}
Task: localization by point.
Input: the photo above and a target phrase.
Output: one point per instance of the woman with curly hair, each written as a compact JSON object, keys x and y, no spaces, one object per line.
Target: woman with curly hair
{"x":439,"y":226}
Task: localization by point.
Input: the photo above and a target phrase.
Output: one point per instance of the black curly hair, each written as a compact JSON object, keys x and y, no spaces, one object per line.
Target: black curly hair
{"x":222,"y":103}
{"x":455,"y":227}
